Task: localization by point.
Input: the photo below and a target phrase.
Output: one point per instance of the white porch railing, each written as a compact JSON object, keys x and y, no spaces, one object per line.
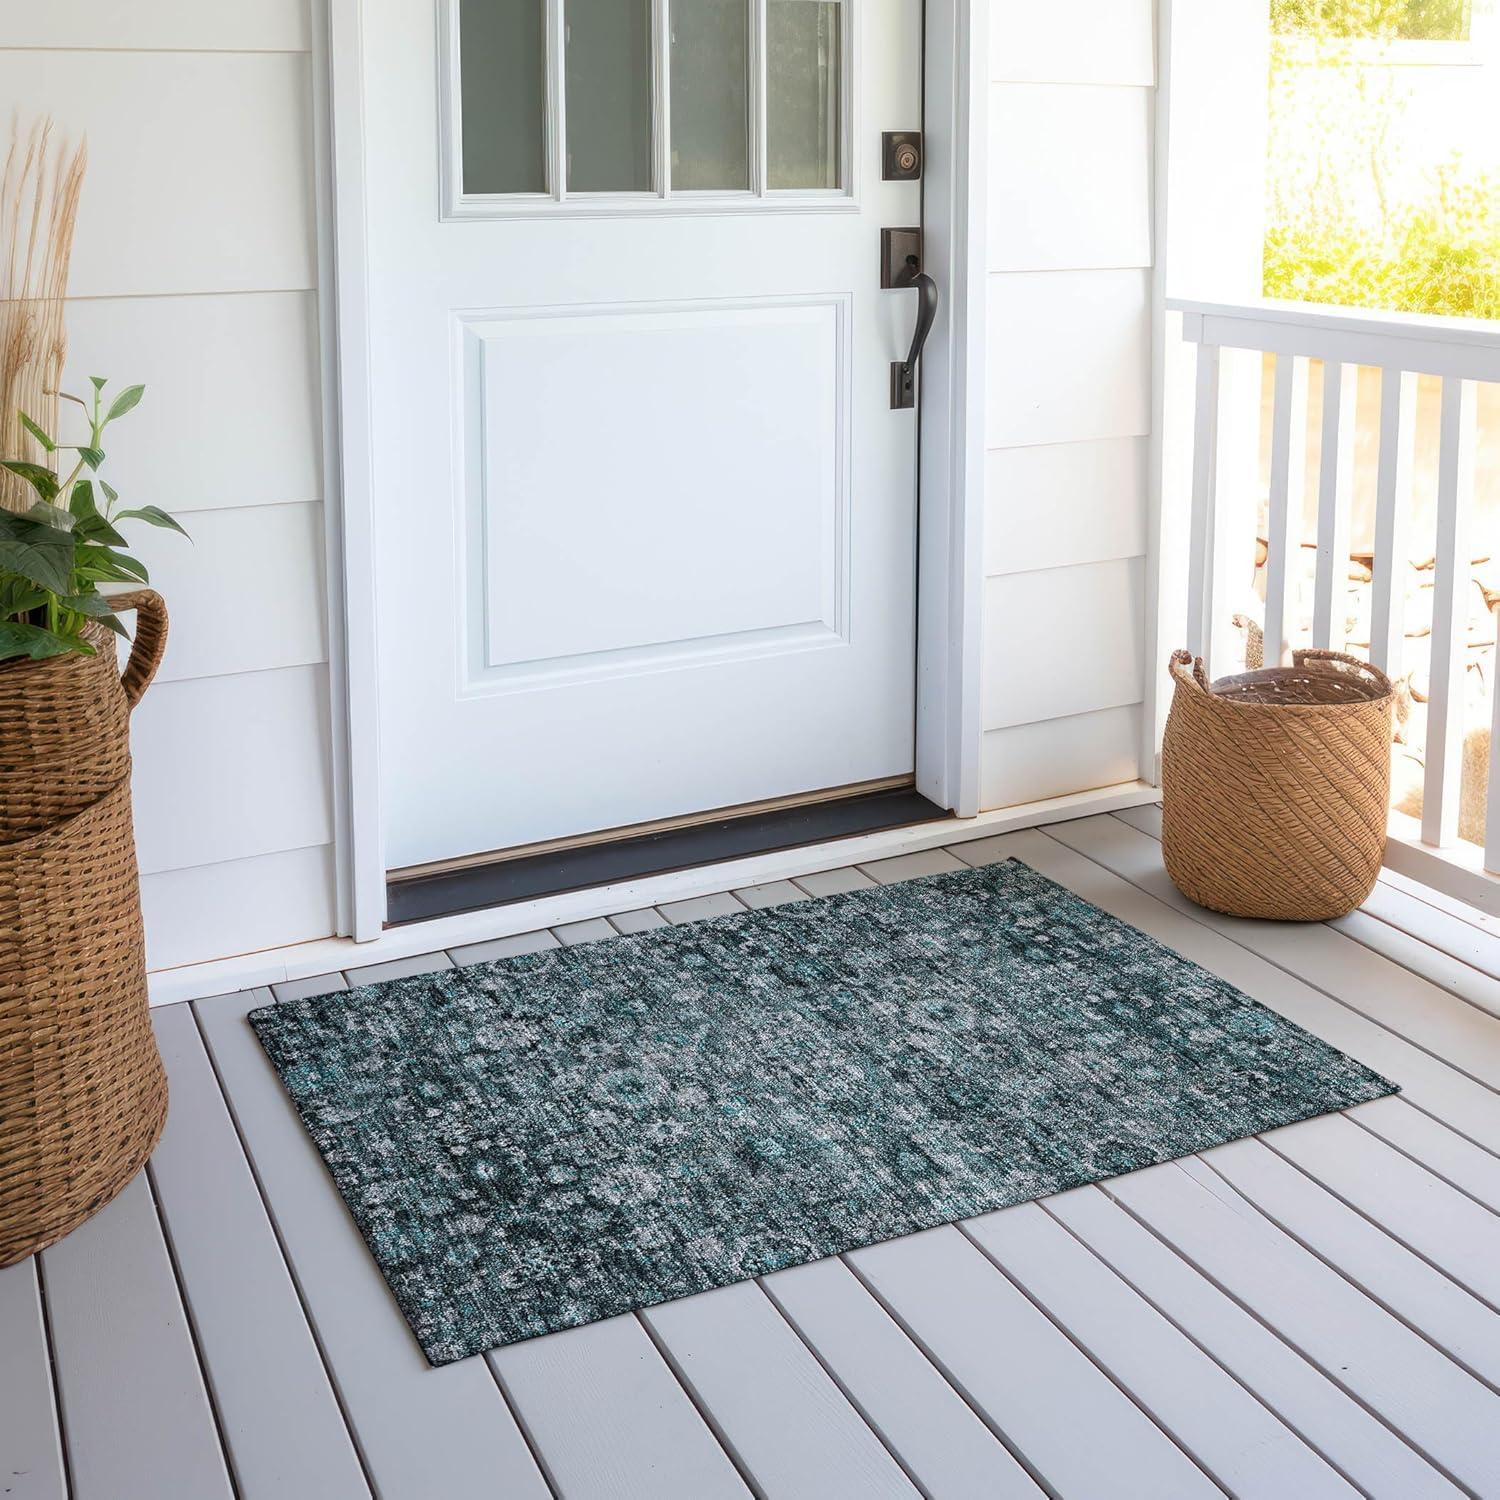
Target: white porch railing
{"x":1235,"y":508}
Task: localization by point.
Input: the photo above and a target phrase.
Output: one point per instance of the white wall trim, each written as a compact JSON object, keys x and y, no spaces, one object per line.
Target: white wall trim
{"x":328,"y":393}
{"x":360,"y":855}
{"x":950,"y":543}
{"x":1160,"y":619}
{"x":951,"y":516}
{"x":298,"y":961}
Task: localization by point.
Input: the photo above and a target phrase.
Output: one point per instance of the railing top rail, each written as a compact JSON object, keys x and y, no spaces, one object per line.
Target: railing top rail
{"x":1483,"y":332}
{"x":1468,"y":348}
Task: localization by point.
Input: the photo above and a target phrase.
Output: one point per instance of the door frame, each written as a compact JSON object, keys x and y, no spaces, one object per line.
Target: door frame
{"x":950,"y":565}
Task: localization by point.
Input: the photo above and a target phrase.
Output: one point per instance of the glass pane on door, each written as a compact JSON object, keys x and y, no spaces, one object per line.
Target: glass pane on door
{"x":710,"y":94}
{"x":608,"y":95}
{"x":502,"y":88}
{"x":803,"y":85}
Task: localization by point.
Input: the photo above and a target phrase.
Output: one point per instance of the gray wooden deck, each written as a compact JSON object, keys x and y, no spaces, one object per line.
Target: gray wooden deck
{"x":1308,"y":1314}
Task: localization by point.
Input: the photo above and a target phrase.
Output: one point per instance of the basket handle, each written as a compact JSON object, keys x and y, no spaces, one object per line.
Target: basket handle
{"x":1178,"y":664}
{"x":150,"y":640}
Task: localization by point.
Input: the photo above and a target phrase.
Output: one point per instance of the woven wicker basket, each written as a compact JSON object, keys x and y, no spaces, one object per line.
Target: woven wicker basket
{"x":83,"y":1095}
{"x":1276,"y":785}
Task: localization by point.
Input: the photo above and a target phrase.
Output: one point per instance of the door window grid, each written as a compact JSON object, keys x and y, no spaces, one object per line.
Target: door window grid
{"x":475,"y":188}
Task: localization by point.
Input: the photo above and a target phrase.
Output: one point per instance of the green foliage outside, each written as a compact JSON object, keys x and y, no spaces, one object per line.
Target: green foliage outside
{"x":1337,"y":230}
{"x":1415,"y":20}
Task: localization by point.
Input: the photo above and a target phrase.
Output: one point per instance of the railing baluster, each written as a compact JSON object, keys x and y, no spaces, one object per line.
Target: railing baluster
{"x":1492,"y":811}
{"x":1450,"y":616}
{"x":1284,"y":526}
{"x":1201,"y":570}
{"x":1393,"y":496}
{"x":1335,"y":504}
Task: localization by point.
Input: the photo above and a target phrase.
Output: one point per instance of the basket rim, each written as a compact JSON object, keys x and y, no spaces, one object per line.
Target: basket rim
{"x":1182,"y":668}
{"x":96,"y":634}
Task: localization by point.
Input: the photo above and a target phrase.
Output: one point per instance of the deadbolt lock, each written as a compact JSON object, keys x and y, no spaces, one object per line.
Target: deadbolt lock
{"x":901,"y":151}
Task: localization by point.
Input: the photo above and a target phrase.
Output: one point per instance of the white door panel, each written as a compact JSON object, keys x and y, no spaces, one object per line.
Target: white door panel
{"x":646,"y":523}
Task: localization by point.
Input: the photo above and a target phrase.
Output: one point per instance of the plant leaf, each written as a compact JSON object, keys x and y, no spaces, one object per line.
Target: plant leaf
{"x":51,"y":515}
{"x":92,"y":526}
{"x":36,"y":431}
{"x":98,"y":610}
{"x":93,"y":457}
{"x":94,"y":605}
{"x":41,"y":554}
{"x":96,"y":529}
{"x":43,"y":481}
{"x":127,"y":400}
{"x":110,"y":492}
{"x":98,"y":382}
{"x":20,"y":639}
{"x":155,"y":515}
{"x":17,"y":597}
{"x":96,"y":564}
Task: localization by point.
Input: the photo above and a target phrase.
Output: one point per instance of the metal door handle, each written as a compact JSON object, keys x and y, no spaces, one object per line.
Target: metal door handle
{"x":904,"y":372}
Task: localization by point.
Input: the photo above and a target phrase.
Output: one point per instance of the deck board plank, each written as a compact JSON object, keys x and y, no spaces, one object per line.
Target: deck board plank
{"x":1247,"y":1449}
{"x":1327,"y":1418}
{"x":421,"y":1431}
{"x":276,"y":1407}
{"x":135,"y":1413}
{"x":1031,"y":1382}
{"x":1361,"y":1252}
{"x":701,"y":908}
{"x":774,"y":1407}
{"x":1418,"y":1210}
{"x":900,"y":1393}
{"x":1445,"y":1413}
{"x":31,"y":1462}
{"x":1446,"y":1154}
{"x":609,"y":1418}
{"x":834,"y":882}
{"x":1469,"y":984}
{"x":1472,"y":944}
{"x":901,"y":867}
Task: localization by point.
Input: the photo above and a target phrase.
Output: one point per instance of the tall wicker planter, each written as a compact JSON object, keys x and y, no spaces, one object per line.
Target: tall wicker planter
{"x":1276,"y":786}
{"x":83,"y":1095}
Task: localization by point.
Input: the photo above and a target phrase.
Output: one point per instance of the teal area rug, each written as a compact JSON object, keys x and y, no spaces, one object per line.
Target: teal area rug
{"x":537,"y":1143}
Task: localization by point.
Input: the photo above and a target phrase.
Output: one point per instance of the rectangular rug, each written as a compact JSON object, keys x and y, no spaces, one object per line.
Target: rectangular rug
{"x":537,"y":1143}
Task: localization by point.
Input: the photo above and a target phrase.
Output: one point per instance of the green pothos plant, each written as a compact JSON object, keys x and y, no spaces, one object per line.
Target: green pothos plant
{"x":56,"y":553}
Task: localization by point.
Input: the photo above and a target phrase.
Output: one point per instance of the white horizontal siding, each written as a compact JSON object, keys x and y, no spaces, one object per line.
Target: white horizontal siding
{"x":194,"y":273}
{"x":230,"y":415}
{"x":173,"y":25}
{"x":1087,"y":41}
{"x":240,"y":906}
{"x":1054,"y":504}
{"x":1070,"y":177}
{"x":275,"y":616}
{"x":1068,"y":381}
{"x":1027,"y":762}
{"x":200,"y":165}
{"x":231,"y":767}
{"x":1069,"y":356}
{"x":1063,"y":641}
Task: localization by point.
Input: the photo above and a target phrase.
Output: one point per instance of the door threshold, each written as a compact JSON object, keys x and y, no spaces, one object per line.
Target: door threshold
{"x":327,"y":955}
{"x":556,"y":871}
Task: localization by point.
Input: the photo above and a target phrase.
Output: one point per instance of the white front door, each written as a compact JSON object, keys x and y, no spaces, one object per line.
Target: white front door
{"x":645,"y":518}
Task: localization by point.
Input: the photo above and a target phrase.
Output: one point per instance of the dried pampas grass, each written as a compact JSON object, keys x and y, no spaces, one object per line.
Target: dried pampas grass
{"x":38,"y":211}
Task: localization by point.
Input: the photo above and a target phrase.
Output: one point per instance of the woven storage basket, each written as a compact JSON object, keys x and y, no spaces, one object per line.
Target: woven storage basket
{"x":83,"y":1095}
{"x":1276,"y":785}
